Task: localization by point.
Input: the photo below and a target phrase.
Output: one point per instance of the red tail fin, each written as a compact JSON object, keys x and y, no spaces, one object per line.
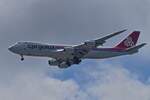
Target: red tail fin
{"x":130,"y":41}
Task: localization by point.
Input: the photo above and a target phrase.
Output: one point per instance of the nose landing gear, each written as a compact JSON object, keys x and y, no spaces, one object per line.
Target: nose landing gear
{"x":22,"y":58}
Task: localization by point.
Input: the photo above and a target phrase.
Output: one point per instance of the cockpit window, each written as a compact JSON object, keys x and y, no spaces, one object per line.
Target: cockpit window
{"x":18,"y":42}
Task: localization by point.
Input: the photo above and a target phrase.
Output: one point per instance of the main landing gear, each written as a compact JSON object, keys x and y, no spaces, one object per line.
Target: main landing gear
{"x":22,"y":58}
{"x":76,"y":60}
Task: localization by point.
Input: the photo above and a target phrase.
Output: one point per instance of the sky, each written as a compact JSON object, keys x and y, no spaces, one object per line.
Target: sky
{"x":73,"y":22}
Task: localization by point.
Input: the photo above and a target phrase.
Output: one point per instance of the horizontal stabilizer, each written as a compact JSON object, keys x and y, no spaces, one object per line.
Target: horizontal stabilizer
{"x":136,"y":48}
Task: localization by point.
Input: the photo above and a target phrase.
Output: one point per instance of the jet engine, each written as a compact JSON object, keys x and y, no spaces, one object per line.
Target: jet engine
{"x":64,"y":65}
{"x":53,"y":62}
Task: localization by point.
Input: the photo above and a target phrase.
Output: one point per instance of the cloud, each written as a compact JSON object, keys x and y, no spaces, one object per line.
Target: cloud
{"x":34,"y":86}
{"x":111,"y":82}
{"x":118,"y":83}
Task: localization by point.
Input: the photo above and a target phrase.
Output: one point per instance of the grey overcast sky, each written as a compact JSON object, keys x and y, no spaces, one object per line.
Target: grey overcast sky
{"x":73,"y":22}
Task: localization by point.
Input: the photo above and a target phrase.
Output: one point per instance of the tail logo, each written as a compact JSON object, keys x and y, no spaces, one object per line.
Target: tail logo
{"x":129,"y":42}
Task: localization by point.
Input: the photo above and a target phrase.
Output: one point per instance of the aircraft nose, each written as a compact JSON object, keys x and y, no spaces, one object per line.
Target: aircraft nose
{"x":11,"y":49}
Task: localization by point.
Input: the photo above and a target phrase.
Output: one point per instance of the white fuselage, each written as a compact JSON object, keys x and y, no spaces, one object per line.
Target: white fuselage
{"x":45,"y":50}
{"x":65,"y":56}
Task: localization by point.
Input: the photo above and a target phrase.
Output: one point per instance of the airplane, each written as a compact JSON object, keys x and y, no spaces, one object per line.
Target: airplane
{"x":65,"y":56}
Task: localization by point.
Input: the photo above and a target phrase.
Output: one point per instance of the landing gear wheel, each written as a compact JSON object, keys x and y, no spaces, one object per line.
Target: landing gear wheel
{"x":68,"y":63}
{"x":22,"y":58}
{"x":76,"y":60}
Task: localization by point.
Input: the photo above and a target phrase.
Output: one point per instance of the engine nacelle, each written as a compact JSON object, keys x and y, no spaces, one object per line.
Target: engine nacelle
{"x":90,"y":44}
{"x":63,"y":65}
{"x":53,"y":62}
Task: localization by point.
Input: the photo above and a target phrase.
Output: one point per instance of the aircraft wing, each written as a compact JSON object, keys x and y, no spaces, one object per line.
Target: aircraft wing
{"x":74,"y":54}
{"x":98,"y":42}
{"x":83,"y":49}
{"x":102,"y":40}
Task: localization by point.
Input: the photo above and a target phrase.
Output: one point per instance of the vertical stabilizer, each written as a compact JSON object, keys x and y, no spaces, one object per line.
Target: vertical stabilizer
{"x":130,"y":41}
